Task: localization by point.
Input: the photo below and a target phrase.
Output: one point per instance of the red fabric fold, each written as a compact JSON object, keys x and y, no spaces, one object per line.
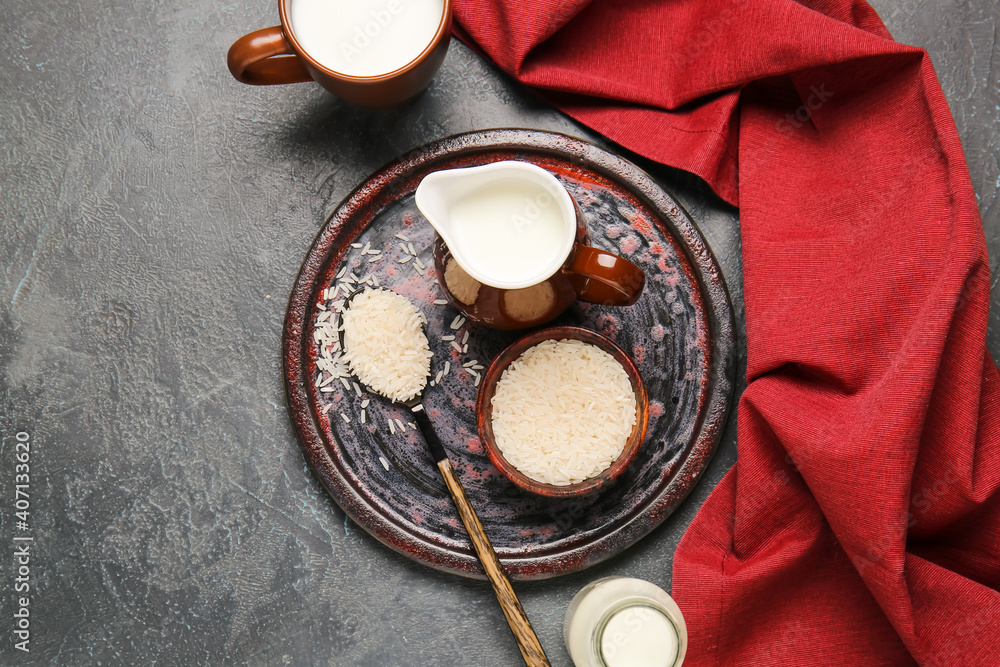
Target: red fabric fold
{"x":861,"y":523}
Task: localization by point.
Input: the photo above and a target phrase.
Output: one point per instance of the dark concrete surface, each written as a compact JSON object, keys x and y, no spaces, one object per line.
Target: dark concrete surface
{"x":154,"y":215}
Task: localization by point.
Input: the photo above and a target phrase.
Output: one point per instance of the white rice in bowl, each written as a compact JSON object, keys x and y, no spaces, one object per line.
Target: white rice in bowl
{"x":385,"y":345}
{"x":563,"y":411}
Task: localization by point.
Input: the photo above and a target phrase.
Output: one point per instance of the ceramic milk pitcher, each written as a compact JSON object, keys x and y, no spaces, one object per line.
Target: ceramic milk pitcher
{"x":512,"y":246}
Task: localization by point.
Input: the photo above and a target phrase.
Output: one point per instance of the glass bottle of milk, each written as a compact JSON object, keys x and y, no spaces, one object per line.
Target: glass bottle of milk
{"x":621,"y":622}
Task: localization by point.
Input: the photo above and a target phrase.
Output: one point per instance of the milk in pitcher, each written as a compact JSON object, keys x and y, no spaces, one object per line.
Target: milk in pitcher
{"x":508,"y":229}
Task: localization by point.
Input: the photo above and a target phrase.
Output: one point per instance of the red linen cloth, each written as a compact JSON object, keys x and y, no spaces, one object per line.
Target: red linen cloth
{"x":861,"y":523}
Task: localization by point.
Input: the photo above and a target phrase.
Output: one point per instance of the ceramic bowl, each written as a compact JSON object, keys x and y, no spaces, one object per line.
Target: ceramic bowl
{"x":487,"y":389}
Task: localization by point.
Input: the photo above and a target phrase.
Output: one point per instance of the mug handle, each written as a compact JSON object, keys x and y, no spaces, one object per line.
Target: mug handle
{"x":600,"y":277}
{"x":264,"y":58}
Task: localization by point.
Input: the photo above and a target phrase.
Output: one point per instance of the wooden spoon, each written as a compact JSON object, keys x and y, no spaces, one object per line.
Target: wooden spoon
{"x":517,"y":619}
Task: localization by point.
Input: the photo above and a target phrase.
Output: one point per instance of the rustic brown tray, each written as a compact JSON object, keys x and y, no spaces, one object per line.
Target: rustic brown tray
{"x":680,"y":334}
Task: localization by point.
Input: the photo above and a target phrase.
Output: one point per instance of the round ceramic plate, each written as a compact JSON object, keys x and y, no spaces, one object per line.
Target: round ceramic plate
{"x":680,"y":334}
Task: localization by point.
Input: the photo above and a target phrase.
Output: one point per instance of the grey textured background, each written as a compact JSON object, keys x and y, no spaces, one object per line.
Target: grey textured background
{"x":154,"y":216}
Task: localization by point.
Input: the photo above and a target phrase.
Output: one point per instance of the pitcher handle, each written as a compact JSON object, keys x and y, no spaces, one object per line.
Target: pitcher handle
{"x":265,"y":58}
{"x":603,"y":278}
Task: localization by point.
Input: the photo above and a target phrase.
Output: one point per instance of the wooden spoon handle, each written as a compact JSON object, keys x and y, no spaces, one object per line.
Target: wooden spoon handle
{"x":524,"y":634}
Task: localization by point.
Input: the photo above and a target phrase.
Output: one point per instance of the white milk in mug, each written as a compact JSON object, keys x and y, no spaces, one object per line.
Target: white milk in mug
{"x":365,"y":38}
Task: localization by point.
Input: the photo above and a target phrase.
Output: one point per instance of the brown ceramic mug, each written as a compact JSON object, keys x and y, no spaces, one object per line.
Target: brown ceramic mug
{"x":572,"y":269}
{"x":376,"y":54}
